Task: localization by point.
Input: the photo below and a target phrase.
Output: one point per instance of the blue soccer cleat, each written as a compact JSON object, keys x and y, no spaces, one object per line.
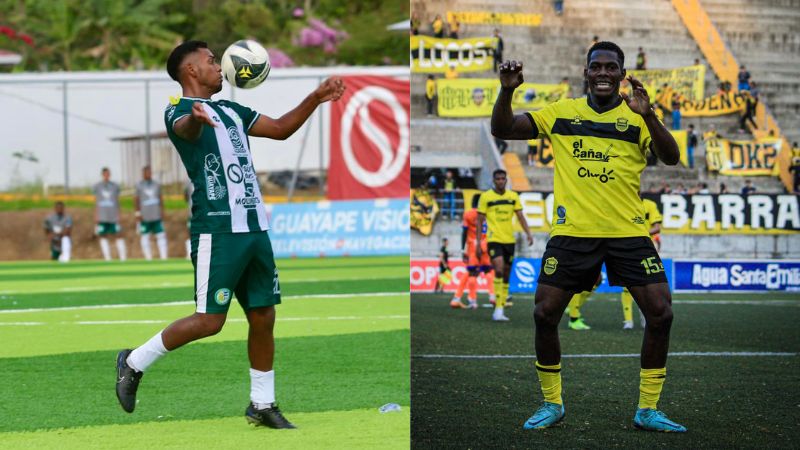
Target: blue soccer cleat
{"x":654,"y":420}
{"x":547,"y":415}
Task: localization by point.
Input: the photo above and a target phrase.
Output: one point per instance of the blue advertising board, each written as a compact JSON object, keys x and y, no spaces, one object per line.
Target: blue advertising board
{"x":525,"y":272}
{"x":340,"y":228}
{"x":731,"y":276}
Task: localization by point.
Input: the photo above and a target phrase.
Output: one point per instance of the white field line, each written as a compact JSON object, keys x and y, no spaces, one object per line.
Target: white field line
{"x":191,"y":302}
{"x":164,"y":284}
{"x":237,"y":320}
{"x":608,"y":355}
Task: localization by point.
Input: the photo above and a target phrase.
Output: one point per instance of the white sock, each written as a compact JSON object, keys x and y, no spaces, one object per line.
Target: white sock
{"x":66,"y":248}
{"x":144,"y":356}
{"x":144,"y":240}
{"x":262,"y":388}
{"x":121,"y":249}
{"x":161,"y":242}
{"x":105,"y":248}
{"x":188,"y":249}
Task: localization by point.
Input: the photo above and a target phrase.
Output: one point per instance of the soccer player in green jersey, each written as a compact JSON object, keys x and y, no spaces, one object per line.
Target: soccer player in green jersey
{"x":231,"y":251}
{"x":599,"y":143}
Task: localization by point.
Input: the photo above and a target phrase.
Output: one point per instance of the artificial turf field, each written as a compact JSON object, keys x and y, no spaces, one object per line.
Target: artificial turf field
{"x":342,"y":351}
{"x":474,"y":384}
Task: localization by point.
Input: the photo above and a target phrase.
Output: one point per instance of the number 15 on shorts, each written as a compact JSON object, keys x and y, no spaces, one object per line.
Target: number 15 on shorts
{"x":651,"y":266}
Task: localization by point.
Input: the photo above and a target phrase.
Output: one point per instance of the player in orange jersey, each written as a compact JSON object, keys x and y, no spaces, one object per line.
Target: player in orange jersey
{"x":475,"y":265}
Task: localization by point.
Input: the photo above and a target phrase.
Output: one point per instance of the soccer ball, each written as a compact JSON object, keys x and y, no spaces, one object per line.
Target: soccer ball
{"x":245,"y":64}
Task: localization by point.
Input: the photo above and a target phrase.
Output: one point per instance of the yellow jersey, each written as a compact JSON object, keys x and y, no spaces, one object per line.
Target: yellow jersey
{"x":499,"y":211}
{"x":651,"y":213}
{"x":430,"y":88}
{"x":599,"y":158}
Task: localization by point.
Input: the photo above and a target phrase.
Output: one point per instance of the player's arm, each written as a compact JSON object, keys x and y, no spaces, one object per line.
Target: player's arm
{"x":189,"y":127}
{"x":478,"y":231}
{"x":284,"y":126}
{"x":161,"y":204}
{"x":67,"y":229}
{"x":655,"y":228}
{"x":663,"y":144}
{"x":137,"y":207}
{"x":505,"y":124}
{"x":524,"y":222}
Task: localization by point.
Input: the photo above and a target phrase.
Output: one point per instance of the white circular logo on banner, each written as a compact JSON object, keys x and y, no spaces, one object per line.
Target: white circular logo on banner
{"x":525,"y":271}
{"x":392,"y":160}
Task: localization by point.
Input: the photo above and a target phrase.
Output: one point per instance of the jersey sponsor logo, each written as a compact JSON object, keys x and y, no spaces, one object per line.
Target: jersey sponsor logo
{"x":215,"y":189}
{"x":562,"y":215}
{"x":219,"y":213}
{"x":235,"y":173}
{"x":622,"y":124}
{"x":638,"y":220}
{"x":222,"y":296}
{"x":393,"y":158}
{"x":249,"y":173}
{"x":236,"y":140}
{"x":248,"y":202}
{"x":276,"y":286}
{"x":603,"y":176}
{"x":550,"y":266}
{"x":525,"y":271}
{"x":591,"y":155}
{"x":576,"y":120}
{"x":170,"y":112}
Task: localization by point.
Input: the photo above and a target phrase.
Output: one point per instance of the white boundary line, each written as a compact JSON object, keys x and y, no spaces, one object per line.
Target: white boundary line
{"x":607,"y":355}
{"x":191,"y":302}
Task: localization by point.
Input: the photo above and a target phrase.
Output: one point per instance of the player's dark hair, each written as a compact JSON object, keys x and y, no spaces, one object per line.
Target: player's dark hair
{"x":179,"y":53}
{"x":498,"y":171}
{"x":59,"y":203}
{"x":475,"y":199}
{"x":605,"y":45}
{"x":104,"y":169}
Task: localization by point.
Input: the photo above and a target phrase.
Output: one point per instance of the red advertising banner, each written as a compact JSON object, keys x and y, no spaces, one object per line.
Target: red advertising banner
{"x":370,"y":140}
{"x":424,"y":273}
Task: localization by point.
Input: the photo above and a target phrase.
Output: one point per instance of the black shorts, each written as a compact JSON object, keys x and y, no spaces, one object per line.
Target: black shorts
{"x":573,"y":263}
{"x":505,"y":250}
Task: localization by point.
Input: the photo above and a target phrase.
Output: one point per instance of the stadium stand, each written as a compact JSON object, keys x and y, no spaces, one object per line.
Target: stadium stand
{"x":761,"y":34}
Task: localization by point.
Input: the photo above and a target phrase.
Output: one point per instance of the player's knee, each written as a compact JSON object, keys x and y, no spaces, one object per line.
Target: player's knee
{"x":211,"y":324}
{"x":545,"y":317}
{"x":661,"y":317}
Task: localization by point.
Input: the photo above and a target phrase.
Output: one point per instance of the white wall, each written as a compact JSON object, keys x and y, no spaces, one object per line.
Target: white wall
{"x":105,"y":105}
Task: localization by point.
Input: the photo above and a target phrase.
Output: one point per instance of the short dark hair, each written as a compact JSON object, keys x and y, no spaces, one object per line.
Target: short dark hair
{"x":605,"y":45}
{"x":498,"y":171}
{"x":59,"y":203}
{"x":104,"y":169}
{"x":179,"y":53}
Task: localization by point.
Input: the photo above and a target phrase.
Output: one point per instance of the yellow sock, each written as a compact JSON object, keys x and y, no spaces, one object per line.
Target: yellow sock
{"x":550,"y":379}
{"x":627,"y":305}
{"x":575,"y":304}
{"x":652,"y":380}
{"x":501,"y":292}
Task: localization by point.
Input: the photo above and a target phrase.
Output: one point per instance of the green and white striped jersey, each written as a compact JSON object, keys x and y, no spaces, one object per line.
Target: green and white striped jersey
{"x":226,"y":197}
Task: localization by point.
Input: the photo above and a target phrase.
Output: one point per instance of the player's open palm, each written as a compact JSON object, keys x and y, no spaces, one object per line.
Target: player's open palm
{"x":638,"y":101}
{"x":330,"y":90}
{"x":511,"y":74}
{"x":199,"y":114}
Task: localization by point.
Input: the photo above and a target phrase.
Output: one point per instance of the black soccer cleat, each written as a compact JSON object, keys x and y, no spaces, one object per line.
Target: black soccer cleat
{"x":267,"y":417}
{"x":127,"y":382}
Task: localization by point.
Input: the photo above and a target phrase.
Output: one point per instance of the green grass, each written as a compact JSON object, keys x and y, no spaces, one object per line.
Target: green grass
{"x":725,"y":402}
{"x":38,"y":202}
{"x":342,"y":351}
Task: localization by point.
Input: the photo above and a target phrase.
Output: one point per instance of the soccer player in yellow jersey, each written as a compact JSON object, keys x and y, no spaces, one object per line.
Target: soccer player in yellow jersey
{"x":599,"y":144}
{"x":652,"y":218}
{"x":497,"y":207}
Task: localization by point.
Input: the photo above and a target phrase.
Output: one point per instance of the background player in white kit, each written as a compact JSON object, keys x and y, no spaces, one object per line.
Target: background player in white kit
{"x":149,"y":205}
{"x":58,"y":228}
{"x":106,"y":215}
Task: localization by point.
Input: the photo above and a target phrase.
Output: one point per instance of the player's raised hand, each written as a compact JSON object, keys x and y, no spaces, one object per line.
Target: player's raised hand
{"x":199,"y":114}
{"x":330,"y":90}
{"x":511,"y":74}
{"x":638,"y":101}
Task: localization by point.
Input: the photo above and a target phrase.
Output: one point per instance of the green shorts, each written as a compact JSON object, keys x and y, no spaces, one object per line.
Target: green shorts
{"x":234,"y":263}
{"x":153,"y":227}
{"x":104,"y":228}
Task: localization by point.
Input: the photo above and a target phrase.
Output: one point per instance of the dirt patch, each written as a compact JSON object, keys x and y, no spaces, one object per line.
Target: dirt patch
{"x":22,"y":235}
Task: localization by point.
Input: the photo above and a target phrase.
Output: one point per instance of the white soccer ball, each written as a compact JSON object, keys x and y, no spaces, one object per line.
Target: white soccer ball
{"x":245,"y":64}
